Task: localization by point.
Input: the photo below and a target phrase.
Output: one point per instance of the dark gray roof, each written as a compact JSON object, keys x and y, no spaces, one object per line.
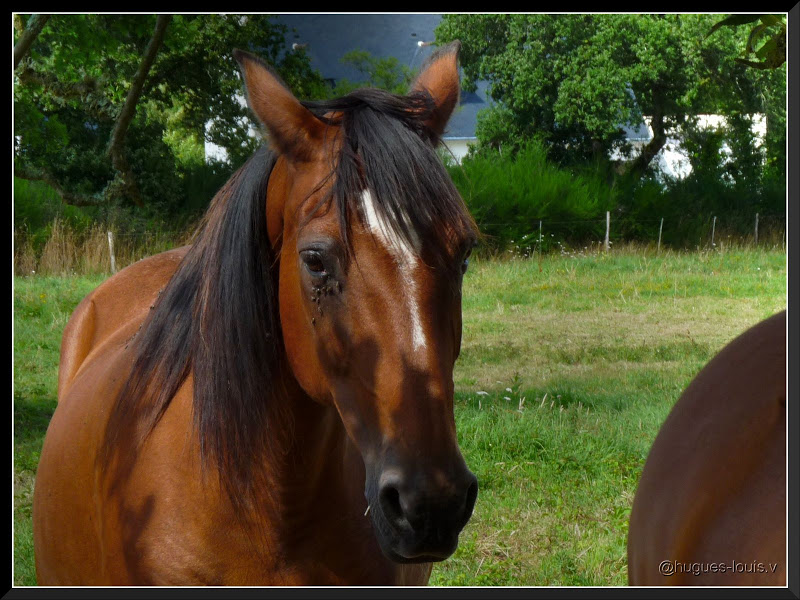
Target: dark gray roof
{"x":329,"y":37}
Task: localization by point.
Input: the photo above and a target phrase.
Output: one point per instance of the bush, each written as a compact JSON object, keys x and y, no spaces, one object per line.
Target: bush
{"x":509,"y":195}
{"x":688,"y":207}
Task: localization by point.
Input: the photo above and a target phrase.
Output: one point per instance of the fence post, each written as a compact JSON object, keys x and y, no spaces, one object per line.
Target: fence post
{"x":111,"y":251}
{"x":608,"y":226}
{"x":713,"y":228}
{"x":660,"y":228}
{"x":756,"y":229}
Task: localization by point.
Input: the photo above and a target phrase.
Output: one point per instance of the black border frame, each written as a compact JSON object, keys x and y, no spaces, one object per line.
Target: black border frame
{"x":793,"y":453}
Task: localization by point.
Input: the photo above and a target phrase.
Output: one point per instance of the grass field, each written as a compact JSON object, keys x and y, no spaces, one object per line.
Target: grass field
{"x":568,"y":367}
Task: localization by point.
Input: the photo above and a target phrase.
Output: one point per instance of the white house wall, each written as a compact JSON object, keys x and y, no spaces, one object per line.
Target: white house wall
{"x":673,"y":160}
{"x":459,"y":147}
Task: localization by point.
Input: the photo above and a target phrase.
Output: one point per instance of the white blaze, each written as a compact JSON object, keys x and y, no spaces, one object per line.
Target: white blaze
{"x":406,"y":259}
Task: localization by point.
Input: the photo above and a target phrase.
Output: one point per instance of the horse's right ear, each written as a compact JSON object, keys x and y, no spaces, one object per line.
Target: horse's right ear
{"x":439,"y":77}
{"x":293,"y":129}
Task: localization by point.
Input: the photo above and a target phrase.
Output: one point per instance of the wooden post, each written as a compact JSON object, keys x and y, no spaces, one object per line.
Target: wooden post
{"x":540,"y":246}
{"x":660,"y":228}
{"x":713,"y":229}
{"x":608,"y":227}
{"x":111,"y":252}
{"x":756,"y":229}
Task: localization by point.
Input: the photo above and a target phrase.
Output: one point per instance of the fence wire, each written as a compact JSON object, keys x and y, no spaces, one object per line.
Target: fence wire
{"x":65,"y":251}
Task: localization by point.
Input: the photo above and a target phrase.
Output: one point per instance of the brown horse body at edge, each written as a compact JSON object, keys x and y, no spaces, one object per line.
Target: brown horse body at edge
{"x":710,"y":508}
{"x":274,"y":404}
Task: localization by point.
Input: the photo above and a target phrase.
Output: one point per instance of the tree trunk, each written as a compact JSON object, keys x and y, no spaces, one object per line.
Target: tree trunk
{"x":32,"y":30}
{"x":638,"y":166}
{"x":116,"y":149}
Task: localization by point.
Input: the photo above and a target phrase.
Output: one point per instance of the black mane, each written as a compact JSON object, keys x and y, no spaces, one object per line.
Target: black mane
{"x":388,"y":149}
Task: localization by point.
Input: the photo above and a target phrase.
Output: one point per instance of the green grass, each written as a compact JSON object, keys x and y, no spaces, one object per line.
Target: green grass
{"x":568,"y":367}
{"x":42,"y":306}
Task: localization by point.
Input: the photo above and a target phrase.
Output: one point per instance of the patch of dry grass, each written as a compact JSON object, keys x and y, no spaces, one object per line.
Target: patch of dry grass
{"x":67,"y":252}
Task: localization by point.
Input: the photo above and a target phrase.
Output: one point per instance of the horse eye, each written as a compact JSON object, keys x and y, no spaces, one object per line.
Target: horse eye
{"x":465,"y":264}
{"x":314,"y":264}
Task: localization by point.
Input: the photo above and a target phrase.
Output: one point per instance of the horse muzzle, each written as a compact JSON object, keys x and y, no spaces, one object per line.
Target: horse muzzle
{"x":418,"y":517}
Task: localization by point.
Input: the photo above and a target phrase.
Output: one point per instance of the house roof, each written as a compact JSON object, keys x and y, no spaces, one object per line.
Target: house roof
{"x":329,"y":37}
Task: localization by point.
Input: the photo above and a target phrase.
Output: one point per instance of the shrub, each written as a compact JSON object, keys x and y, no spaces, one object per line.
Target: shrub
{"x":509,"y":195}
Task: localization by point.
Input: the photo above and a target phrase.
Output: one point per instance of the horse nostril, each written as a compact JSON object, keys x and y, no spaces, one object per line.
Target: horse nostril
{"x":472,"y":495}
{"x":390,"y":503}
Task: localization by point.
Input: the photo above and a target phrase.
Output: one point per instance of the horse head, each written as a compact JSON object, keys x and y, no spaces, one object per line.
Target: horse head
{"x":372,"y":240}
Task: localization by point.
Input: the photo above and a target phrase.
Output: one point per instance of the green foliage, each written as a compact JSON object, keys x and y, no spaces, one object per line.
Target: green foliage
{"x":772,"y":53}
{"x":36,"y":205}
{"x":71,"y":87}
{"x":576,"y":79}
{"x":688,"y":206}
{"x":385,"y":73}
{"x":508,"y":194}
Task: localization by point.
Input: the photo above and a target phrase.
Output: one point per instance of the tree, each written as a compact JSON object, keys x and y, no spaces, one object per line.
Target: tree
{"x":772,"y":83}
{"x":386,"y":73}
{"x":113,"y":109}
{"x":576,"y":80}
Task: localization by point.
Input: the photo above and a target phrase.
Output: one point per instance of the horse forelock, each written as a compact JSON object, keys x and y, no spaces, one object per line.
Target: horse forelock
{"x":385,"y":148}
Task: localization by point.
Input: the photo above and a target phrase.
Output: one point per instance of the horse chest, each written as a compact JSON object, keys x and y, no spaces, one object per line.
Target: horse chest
{"x":175,"y":549}
{"x":175,"y":528}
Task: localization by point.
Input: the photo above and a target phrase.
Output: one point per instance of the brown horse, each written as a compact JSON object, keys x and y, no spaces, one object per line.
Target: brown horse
{"x":711,"y":503}
{"x":274,"y":404}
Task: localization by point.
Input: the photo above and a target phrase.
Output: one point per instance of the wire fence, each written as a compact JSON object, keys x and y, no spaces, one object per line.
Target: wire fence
{"x":63,"y":250}
{"x":101,"y":250}
{"x":678,"y":232}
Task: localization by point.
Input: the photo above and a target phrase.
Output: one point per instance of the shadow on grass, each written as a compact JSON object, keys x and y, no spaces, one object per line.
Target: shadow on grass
{"x":30,"y":425}
{"x":31,"y":419}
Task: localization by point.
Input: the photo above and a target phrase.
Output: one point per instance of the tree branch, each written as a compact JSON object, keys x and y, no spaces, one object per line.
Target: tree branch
{"x":67,"y":196}
{"x":34,"y":27}
{"x":116,"y":148}
{"x":639,"y":165}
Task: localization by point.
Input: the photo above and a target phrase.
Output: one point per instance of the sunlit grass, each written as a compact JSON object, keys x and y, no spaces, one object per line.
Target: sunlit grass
{"x":568,"y":368}
{"x":569,"y":365}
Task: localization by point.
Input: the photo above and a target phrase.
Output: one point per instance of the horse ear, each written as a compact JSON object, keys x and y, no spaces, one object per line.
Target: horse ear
{"x":292,"y":128}
{"x":439,"y":77}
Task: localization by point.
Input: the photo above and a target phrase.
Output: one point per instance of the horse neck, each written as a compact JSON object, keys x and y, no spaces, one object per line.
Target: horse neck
{"x":314,"y":448}
{"x":314,"y":457}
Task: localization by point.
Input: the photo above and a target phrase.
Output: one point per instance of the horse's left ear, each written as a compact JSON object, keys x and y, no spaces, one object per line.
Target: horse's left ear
{"x":439,"y":77}
{"x":293,"y":129}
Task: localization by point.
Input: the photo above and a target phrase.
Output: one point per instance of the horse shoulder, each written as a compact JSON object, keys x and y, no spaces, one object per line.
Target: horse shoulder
{"x":714,"y":482}
{"x":113,"y":304}
{"x":67,"y":507}
{"x":93,"y":356}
